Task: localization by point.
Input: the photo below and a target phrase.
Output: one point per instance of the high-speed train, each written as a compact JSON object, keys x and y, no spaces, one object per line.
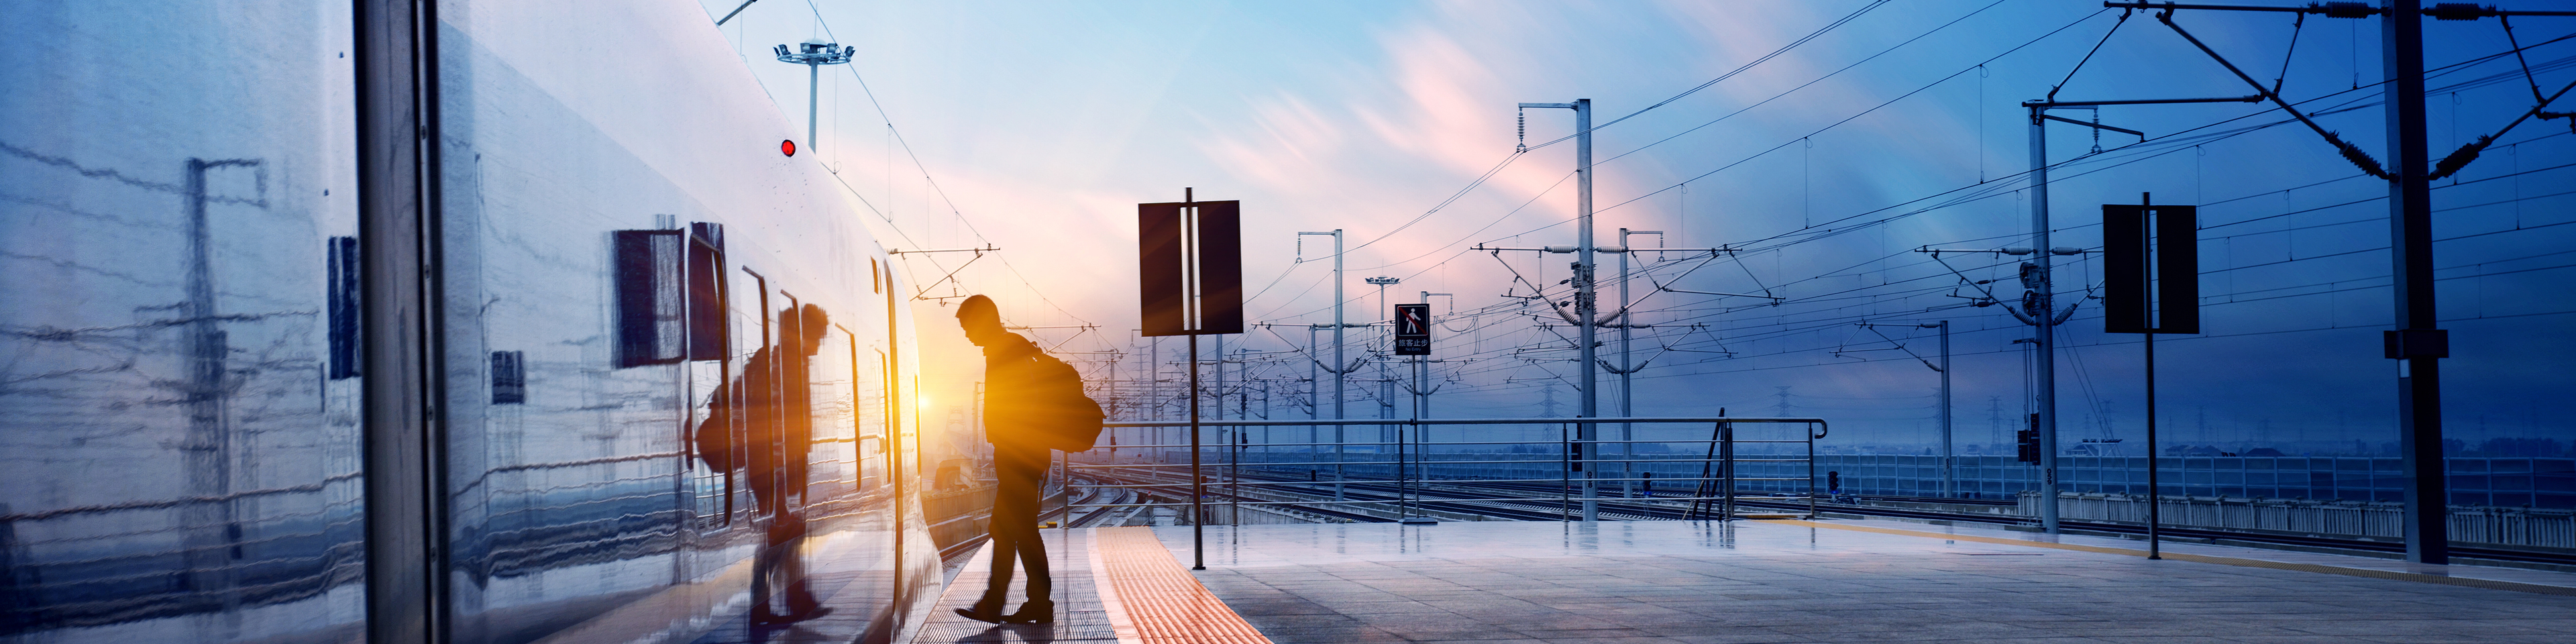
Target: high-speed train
{"x":440,"y":321}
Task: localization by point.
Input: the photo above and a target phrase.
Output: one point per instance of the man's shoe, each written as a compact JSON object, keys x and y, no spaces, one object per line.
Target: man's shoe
{"x":1035,"y":612}
{"x":986,"y":612}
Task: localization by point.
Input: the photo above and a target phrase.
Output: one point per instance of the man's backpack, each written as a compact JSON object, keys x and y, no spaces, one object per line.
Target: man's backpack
{"x":1059,"y":416}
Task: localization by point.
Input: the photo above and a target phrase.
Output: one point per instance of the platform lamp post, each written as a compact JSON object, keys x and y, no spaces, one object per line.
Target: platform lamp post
{"x":813,"y":54}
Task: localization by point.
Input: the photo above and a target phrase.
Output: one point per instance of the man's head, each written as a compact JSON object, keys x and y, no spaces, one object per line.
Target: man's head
{"x":811,"y":323}
{"x":982,"y":320}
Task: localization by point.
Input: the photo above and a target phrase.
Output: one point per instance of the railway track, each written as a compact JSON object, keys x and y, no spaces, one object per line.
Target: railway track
{"x":1644,"y":509}
{"x":956,"y":551}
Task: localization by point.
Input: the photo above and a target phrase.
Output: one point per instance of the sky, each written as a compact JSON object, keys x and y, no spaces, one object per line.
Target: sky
{"x":1836,"y":140}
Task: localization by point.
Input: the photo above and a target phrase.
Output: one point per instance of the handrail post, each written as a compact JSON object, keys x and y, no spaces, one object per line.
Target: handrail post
{"x":1811,"y":474}
{"x":1411,"y":497}
{"x":1064,"y":464}
{"x":1726,"y":469}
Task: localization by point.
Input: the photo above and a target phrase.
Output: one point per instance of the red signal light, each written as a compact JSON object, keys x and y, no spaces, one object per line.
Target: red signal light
{"x":787,"y":147}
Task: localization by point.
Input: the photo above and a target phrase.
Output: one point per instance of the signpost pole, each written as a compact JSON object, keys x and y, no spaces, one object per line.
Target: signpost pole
{"x":1190,"y":282}
{"x":1198,"y":484}
{"x":2155,"y":501}
{"x":2151,"y":264}
{"x":1413,"y":338}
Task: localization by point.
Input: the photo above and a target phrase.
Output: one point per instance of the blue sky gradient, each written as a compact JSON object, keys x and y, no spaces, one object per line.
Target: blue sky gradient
{"x":1040,"y":124}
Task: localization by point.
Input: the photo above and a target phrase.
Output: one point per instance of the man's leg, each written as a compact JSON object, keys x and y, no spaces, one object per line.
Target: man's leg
{"x":1033,"y":555}
{"x":1032,"y":547}
{"x":997,"y":588}
{"x":1022,"y":487}
{"x":1014,"y":518}
{"x":764,"y":559}
{"x":788,"y":564}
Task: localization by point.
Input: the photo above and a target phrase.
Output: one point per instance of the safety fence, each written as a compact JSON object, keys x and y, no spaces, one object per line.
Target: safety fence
{"x":2473,"y":481}
{"x":2520,"y":527}
{"x":1564,"y":463}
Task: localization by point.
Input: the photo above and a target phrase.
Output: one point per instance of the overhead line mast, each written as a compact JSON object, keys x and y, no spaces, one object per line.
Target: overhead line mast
{"x":2417,"y":343}
{"x":2041,"y":311}
{"x":1585,"y":301}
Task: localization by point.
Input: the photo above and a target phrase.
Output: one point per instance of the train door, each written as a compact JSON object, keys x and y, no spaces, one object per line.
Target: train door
{"x":748,"y":315}
{"x":711,"y":427}
{"x":832,"y":458}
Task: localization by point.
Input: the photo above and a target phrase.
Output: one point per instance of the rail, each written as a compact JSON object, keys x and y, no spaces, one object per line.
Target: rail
{"x":1403,"y":472}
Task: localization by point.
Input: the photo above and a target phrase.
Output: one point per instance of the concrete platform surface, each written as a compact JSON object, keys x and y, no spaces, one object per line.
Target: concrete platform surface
{"x":1839,"y":581}
{"x":1079,"y":615}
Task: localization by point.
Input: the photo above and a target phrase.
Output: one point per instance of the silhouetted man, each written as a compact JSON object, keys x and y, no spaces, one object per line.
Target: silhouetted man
{"x":1013,"y":416}
{"x":776,"y":394}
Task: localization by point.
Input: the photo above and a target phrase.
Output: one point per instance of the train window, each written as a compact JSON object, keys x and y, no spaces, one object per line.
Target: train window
{"x":706,"y":291}
{"x":509,"y":377}
{"x":648,"y":297}
{"x":341,"y":304}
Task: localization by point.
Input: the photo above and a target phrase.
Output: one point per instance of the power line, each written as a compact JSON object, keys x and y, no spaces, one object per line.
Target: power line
{"x":953,"y":210}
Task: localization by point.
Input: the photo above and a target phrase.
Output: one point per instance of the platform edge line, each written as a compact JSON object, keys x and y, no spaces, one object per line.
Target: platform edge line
{"x":1108,"y":591}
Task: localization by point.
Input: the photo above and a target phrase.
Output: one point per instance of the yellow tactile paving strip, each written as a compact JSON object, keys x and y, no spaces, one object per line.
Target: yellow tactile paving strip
{"x":2229,"y":561}
{"x":1154,"y":600}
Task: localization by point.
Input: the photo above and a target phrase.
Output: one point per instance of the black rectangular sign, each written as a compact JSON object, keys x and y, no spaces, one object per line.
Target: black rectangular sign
{"x":2150,"y":269}
{"x":1190,"y":267}
{"x":1412,"y":329}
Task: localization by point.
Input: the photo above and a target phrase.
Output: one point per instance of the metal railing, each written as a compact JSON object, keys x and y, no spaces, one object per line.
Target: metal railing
{"x":1409,"y":477}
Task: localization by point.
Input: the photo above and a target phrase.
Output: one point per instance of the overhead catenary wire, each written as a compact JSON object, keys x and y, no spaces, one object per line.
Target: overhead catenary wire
{"x":1844,"y":299}
{"x":906,"y":145}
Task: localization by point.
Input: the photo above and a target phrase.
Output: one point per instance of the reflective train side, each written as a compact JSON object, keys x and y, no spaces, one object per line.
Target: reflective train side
{"x":206,"y":269}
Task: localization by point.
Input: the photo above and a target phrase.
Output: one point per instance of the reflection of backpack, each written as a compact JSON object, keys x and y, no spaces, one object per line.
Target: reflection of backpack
{"x":713,"y":442}
{"x":1050,"y":407}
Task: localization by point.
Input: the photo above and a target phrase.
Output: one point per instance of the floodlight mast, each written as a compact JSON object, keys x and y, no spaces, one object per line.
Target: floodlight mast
{"x":813,"y":54}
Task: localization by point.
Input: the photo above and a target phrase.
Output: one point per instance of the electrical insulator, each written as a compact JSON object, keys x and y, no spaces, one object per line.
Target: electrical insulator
{"x":1523,"y":144}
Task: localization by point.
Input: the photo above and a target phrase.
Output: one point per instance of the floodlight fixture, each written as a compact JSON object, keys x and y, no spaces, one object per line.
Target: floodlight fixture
{"x":813,"y":54}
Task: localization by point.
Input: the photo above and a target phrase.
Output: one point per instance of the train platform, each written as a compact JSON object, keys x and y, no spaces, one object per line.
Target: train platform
{"x":1758,"y":581}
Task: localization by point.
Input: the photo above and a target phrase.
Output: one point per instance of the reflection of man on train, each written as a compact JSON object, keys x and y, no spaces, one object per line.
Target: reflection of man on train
{"x":1033,"y":403}
{"x":776,"y":395}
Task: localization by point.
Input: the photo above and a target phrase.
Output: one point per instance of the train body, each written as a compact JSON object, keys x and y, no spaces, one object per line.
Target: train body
{"x":461,"y":321}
